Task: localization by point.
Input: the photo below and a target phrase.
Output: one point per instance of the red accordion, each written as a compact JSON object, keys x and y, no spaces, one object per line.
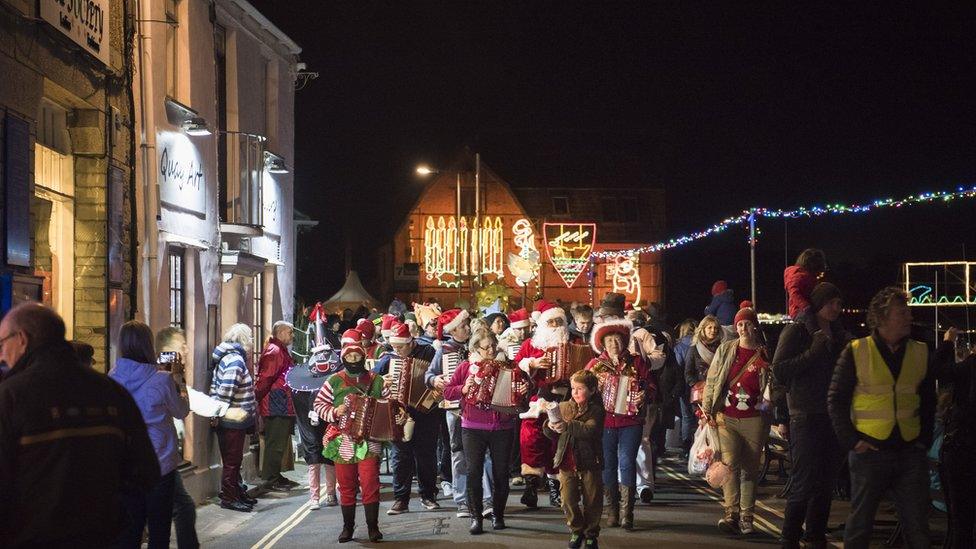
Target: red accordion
{"x":566,"y":360}
{"x":620,"y":394}
{"x":409,"y":387}
{"x":498,"y":387}
{"x":368,"y":418}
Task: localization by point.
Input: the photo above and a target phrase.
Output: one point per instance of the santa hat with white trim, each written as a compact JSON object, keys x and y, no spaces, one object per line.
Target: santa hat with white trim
{"x":399,"y":334}
{"x":547,"y":311}
{"x":621,"y":327}
{"x":352,"y":335}
{"x":367,"y":328}
{"x":519,"y":319}
{"x":386,"y":325}
{"x":449,"y":320}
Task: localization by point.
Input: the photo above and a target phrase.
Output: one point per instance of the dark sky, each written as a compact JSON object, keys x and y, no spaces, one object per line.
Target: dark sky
{"x":722,"y":106}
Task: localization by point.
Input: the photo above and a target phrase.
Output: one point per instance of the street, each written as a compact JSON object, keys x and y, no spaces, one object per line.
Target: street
{"x":684,"y":513}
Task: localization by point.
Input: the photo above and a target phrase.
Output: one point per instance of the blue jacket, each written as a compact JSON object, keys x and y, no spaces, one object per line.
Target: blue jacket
{"x":723,"y":307}
{"x":159,"y":402}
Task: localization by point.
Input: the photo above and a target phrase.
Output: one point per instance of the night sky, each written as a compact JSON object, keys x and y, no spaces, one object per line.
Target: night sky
{"x":724,"y":107}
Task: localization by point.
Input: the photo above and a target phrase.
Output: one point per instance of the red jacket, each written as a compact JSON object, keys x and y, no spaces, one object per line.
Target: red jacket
{"x":635,"y":365}
{"x":799,"y":284}
{"x":270,"y":390}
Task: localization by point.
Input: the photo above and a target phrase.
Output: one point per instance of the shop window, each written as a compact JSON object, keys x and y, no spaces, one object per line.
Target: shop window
{"x":177,"y":284}
{"x":52,"y":213}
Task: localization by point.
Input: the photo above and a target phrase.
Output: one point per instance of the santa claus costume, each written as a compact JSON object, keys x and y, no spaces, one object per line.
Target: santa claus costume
{"x":537,"y":449}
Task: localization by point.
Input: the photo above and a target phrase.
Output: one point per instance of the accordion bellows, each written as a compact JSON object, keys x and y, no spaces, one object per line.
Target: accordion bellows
{"x":620,"y":394}
{"x":567,"y":359}
{"x":409,"y":387}
{"x":373,"y":419}
{"x":499,"y":387}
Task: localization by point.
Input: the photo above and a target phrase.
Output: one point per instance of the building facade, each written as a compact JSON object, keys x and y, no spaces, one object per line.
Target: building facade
{"x":66,"y":163}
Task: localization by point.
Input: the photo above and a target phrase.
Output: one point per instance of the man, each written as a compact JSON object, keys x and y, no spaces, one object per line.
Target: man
{"x":368,"y":329}
{"x":427,"y":321}
{"x":582,"y":325}
{"x":804,"y":362}
{"x":71,"y":440}
{"x":275,"y":405}
{"x":537,"y":449}
{"x":882,"y":405}
{"x":455,"y":326}
{"x":418,"y":456}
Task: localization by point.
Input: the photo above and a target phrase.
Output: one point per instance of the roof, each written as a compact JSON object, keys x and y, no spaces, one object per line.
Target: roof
{"x":352,"y":293}
{"x":268,"y":26}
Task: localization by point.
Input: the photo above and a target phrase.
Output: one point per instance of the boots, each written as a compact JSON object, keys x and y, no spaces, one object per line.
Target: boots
{"x":530,"y":497}
{"x":372,"y":521}
{"x":477,"y":525}
{"x":729,"y":524}
{"x":612,"y":496}
{"x":348,"y":523}
{"x":627,"y":497}
{"x":554,"y":498}
{"x":498,"y":511}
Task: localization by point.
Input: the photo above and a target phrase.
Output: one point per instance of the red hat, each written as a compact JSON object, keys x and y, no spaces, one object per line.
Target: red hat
{"x":547,"y":311}
{"x":745,"y":304}
{"x":619,"y":327}
{"x":399,"y":334}
{"x":351,"y":348}
{"x":719,"y":287}
{"x":387,"y":324}
{"x":449,"y":320}
{"x":519,"y":318}
{"x":367,"y":328}
{"x":746,"y":313}
{"x":352,"y":335}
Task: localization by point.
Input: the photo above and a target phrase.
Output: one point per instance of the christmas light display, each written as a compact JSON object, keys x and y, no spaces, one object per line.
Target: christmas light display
{"x":813,"y":211}
{"x":624,"y":274}
{"x":451,"y":249}
{"x":939,"y":284}
{"x":525,"y":265}
{"x":568,"y":246}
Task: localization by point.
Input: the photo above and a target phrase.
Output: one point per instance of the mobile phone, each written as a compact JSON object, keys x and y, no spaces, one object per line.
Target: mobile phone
{"x":167,"y":359}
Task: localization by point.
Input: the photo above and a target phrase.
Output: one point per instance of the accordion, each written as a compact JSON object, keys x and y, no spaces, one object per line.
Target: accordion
{"x":512,"y":350}
{"x":498,"y":387}
{"x":620,"y":394}
{"x":566,"y":360}
{"x":368,"y":418}
{"x":449,"y":364}
{"x":409,"y":387}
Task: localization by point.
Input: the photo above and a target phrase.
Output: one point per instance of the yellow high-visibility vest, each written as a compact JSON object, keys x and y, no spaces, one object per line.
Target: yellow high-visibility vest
{"x":880,"y":401}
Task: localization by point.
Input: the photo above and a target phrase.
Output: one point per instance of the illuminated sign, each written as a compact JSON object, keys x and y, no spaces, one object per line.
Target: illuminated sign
{"x":624,"y":273}
{"x":457,"y":247}
{"x":525,"y":265}
{"x":180,"y":173}
{"x":85,"y":22}
{"x":939,"y":284}
{"x":568,"y":246}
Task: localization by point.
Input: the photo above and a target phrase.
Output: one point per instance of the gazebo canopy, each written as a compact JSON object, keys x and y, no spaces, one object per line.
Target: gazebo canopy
{"x":352,"y":295}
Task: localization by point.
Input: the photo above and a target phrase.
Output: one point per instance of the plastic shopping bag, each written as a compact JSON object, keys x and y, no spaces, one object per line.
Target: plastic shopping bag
{"x":702,"y":450}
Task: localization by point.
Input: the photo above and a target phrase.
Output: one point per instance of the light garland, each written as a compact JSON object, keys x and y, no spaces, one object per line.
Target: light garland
{"x":813,"y":211}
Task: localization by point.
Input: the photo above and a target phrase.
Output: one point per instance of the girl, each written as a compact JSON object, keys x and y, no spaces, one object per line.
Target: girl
{"x":621,"y":432}
{"x":579,"y":458}
{"x":735,"y":400}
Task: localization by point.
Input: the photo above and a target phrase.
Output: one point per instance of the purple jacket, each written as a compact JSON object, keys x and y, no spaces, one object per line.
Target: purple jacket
{"x":473,"y":417}
{"x":159,"y":402}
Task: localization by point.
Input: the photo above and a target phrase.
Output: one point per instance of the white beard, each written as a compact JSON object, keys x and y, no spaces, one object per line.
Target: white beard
{"x":547,"y":338}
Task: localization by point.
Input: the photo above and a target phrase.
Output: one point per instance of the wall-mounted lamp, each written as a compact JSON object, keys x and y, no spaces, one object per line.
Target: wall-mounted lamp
{"x":274,"y":163}
{"x":186,"y":118}
{"x":195,"y":126}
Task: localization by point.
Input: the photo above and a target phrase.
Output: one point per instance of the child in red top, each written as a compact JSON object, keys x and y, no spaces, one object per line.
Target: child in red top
{"x":799,"y":279}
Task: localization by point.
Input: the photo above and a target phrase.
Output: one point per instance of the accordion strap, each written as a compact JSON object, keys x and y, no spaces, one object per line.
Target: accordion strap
{"x":354,"y":383}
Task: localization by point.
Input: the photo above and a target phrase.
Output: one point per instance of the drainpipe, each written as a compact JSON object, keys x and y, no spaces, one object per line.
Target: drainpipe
{"x":147,"y":148}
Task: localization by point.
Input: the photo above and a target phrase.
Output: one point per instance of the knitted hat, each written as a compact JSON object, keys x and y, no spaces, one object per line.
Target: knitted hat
{"x":746,"y":313}
{"x":547,"y":311}
{"x":719,"y":287}
{"x":399,"y":334}
{"x":351,"y":344}
{"x":386,"y":324}
{"x":612,"y":304}
{"x":352,"y":335}
{"x":620,"y":327}
{"x":367,"y":328}
{"x":822,"y":294}
{"x":449,"y":320}
{"x":518,"y":319}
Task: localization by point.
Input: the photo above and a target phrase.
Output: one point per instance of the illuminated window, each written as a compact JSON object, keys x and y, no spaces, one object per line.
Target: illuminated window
{"x":177,"y":283}
{"x":560,"y":205}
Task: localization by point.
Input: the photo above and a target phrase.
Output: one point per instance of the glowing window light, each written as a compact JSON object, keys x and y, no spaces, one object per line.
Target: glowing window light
{"x":568,"y":246}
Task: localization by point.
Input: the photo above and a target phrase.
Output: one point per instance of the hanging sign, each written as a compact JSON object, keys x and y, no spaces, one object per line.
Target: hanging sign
{"x":568,"y":246}
{"x":85,"y":22}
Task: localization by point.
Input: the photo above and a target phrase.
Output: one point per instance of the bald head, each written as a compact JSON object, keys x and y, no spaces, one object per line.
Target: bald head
{"x":28,"y":327}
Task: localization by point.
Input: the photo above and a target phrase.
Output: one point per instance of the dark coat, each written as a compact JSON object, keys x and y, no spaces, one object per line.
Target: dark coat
{"x":804,"y":363}
{"x":723,"y":307}
{"x":584,"y":435}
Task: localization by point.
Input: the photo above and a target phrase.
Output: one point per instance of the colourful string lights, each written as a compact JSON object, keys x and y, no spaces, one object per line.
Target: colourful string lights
{"x":812,"y":211}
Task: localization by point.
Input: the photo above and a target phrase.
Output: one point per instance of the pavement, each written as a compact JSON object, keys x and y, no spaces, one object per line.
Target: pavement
{"x":683,"y":514}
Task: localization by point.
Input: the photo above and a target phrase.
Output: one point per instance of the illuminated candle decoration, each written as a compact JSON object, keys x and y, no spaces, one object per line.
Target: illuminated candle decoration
{"x":939,"y":284}
{"x":451,"y":249}
{"x":624,"y":273}
{"x":568,"y":246}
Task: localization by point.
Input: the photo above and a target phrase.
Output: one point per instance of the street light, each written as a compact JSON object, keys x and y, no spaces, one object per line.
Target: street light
{"x":423,"y":169}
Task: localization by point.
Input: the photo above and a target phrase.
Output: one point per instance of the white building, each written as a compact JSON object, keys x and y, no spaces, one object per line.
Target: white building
{"x":214,"y":98}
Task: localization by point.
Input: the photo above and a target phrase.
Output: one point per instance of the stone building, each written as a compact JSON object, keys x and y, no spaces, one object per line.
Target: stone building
{"x":66,"y":163}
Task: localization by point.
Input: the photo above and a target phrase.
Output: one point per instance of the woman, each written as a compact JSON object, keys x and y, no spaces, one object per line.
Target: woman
{"x":621,"y":432}
{"x":483,"y":429}
{"x":704,"y":343}
{"x":686,"y":332}
{"x":161,"y":398}
{"x":735,"y":401}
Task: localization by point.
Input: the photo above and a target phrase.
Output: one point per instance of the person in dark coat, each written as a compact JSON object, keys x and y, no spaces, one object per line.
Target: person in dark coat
{"x":804,"y":363}
{"x":97,"y":454}
{"x":722,"y":305}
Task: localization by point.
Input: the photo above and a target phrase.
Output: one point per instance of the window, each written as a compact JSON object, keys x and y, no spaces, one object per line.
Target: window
{"x":246,"y":201}
{"x":177,"y":284}
{"x":220,"y":66}
{"x":172,"y":48}
{"x":258,"y":315}
{"x":560,"y":205}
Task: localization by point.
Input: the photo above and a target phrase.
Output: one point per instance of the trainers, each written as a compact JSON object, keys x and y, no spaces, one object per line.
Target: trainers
{"x":399,"y":507}
{"x":315,"y":506}
{"x":447,"y":489}
{"x":487,"y":511}
{"x":331,"y":500}
{"x":463,"y":512}
{"x":430,"y":504}
{"x":646,"y":495}
{"x":591,"y":543}
{"x":575,"y":541}
{"x":745,"y":526}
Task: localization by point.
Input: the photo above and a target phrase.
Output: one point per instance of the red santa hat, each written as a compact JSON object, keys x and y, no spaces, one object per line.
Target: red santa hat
{"x":546,"y":311}
{"x":449,"y":320}
{"x":386,"y":325}
{"x":519,"y":319}
{"x":352,"y":335}
{"x":399,"y":334}
{"x":621,"y":327}
{"x":367,"y":328}
{"x":352,"y":347}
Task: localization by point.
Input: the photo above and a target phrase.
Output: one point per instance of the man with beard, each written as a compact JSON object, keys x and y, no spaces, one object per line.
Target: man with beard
{"x":582,"y":325}
{"x":419,"y":454}
{"x":537,"y":449}
{"x":455,"y":325}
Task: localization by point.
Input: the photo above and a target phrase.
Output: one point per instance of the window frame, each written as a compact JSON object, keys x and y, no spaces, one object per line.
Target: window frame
{"x":176,"y":267}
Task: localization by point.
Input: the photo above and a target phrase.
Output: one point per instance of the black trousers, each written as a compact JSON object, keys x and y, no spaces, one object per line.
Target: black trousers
{"x":959,"y":484}
{"x":499,"y":443}
{"x":184,"y":516}
{"x":153,"y":509}
{"x":443,"y":447}
{"x":817,"y":460}
{"x":419,"y":456}
{"x":516,"y":453}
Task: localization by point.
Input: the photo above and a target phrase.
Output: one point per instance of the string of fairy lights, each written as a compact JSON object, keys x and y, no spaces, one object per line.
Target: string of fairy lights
{"x":812,"y":211}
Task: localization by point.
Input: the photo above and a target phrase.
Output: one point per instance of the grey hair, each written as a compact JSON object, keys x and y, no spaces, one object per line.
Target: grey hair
{"x":40,"y":324}
{"x":240,"y":333}
{"x":280,"y":326}
{"x":479,"y":336}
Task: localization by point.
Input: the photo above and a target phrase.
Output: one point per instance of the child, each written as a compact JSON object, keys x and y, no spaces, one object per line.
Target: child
{"x":799,"y":279}
{"x":579,"y":458}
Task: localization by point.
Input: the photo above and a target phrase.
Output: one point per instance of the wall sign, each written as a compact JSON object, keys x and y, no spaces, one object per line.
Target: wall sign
{"x":940,"y":284}
{"x":85,"y":22}
{"x":182,"y":184}
{"x":568,"y":246}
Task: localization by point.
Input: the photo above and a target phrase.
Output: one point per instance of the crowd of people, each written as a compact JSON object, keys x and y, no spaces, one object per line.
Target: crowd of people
{"x":589,"y":433}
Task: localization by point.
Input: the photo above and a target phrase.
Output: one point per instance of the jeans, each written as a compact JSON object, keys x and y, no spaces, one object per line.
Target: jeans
{"x":419,"y":456}
{"x":277,"y":437}
{"x":620,"y":452}
{"x":459,"y":464}
{"x":184,"y":516}
{"x":959,"y":483}
{"x":499,"y":445}
{"x":443,"y":448}
{"x":741,"y":443}
{"x":231,"y":442}
{"x":154,"y":508}
{"x":903,"y":472}
{"x":817,"y":459}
